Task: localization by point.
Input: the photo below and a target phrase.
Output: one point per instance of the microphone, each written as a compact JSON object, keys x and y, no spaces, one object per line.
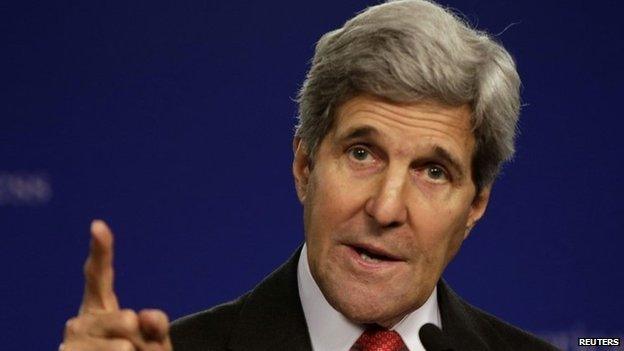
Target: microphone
{"x":433,"y":339}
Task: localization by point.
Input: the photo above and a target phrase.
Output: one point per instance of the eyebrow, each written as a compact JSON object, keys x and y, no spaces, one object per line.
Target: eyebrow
{"x":438,"y":151}
{"x":453,"y":162}
{"x":359,"y":132}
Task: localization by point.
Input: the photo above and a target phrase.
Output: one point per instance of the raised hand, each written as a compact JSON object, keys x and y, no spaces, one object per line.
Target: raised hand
{"x":100,"y":324}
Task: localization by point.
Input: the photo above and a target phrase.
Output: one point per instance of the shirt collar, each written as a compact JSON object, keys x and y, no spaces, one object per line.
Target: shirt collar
{"x":330,"y":330}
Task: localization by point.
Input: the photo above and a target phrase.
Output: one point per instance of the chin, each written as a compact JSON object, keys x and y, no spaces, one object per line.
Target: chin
{"x":358,"y":312}
{"x":365,"y":306}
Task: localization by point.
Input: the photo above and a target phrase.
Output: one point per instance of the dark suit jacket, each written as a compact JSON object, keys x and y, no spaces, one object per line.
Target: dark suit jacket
{"x":270,"y":317}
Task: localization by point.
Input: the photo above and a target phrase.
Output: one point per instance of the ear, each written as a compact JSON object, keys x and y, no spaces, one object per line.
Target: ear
{"x":477,"y":208}
{"x":301,"y":168}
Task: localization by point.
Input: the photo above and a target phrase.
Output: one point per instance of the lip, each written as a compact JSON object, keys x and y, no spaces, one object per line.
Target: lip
{"x":353,"y":251}
{"x":375,"y":250}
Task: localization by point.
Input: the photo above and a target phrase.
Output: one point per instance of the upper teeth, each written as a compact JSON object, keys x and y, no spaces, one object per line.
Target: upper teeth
{"x":366,"y":257}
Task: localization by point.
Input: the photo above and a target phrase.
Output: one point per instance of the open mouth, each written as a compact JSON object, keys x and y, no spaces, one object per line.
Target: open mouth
{"x":372,"y":255}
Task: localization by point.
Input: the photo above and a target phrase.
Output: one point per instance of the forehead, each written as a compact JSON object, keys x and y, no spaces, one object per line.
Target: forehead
{"x":407,"y":127}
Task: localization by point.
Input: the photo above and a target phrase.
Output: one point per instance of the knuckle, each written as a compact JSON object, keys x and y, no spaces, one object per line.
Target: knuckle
{"x":73,"y":327}
{"x":158,"y":316}
{"x":128,"y":320}
{"x":163,"y":316}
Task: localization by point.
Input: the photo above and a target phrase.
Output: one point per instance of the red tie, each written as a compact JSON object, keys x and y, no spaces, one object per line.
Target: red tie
{"x":379,"y":339}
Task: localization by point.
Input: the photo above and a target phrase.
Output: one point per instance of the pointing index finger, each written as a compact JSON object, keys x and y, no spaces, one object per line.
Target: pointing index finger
{"x":98,"y":270}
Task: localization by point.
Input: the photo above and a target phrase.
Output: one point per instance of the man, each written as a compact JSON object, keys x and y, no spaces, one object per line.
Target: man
{"x":406,"y":116}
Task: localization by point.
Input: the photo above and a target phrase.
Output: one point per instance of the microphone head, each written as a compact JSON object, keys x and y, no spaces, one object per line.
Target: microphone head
{"x":433,"y":339}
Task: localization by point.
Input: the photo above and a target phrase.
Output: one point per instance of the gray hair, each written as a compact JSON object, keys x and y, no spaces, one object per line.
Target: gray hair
{"x":409,"y":51}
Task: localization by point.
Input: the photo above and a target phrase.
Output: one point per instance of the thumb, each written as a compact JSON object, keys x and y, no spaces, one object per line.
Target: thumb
{"x":154,"y":325}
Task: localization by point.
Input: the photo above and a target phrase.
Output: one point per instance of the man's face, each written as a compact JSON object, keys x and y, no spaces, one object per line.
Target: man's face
{"x":388,"y":200}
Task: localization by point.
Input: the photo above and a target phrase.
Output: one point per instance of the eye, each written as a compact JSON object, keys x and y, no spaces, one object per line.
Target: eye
{"x":360,"y":154}
{"x":436,"y":173}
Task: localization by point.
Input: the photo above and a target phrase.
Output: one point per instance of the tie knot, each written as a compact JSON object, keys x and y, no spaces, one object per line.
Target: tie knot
{"x":379,"y":339}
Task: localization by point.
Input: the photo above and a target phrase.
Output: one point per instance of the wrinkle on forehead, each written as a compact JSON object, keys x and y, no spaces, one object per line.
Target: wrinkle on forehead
{"x":428,"y":119}
{"x":427,"y":111}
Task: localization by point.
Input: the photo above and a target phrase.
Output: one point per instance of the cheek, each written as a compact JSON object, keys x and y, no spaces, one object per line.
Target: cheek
{"x":322,"y":208}
{"x":335,"y":197}
{"x":456,"y":229}
{"x":441,"y":229}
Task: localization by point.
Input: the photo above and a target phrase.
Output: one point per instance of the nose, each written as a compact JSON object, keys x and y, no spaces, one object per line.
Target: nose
{"x":387,"y":204}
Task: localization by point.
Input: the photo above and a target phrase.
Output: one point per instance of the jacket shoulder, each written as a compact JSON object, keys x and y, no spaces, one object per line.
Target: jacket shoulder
{"x":471,"y":328}
{"x":268,"y":317}
{"x":497,"y":332}
{"x":206,"y":330}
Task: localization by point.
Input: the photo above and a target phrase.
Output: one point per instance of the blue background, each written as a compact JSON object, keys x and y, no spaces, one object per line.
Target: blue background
{"x":173,"y":121}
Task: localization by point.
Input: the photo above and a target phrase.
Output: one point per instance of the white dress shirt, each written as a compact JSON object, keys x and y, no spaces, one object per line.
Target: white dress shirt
{"x":331,"y":331}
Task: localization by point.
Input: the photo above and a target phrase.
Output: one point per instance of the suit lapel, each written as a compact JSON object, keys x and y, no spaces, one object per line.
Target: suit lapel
{"x":457,"y":321}
{"x":272,"y":316}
